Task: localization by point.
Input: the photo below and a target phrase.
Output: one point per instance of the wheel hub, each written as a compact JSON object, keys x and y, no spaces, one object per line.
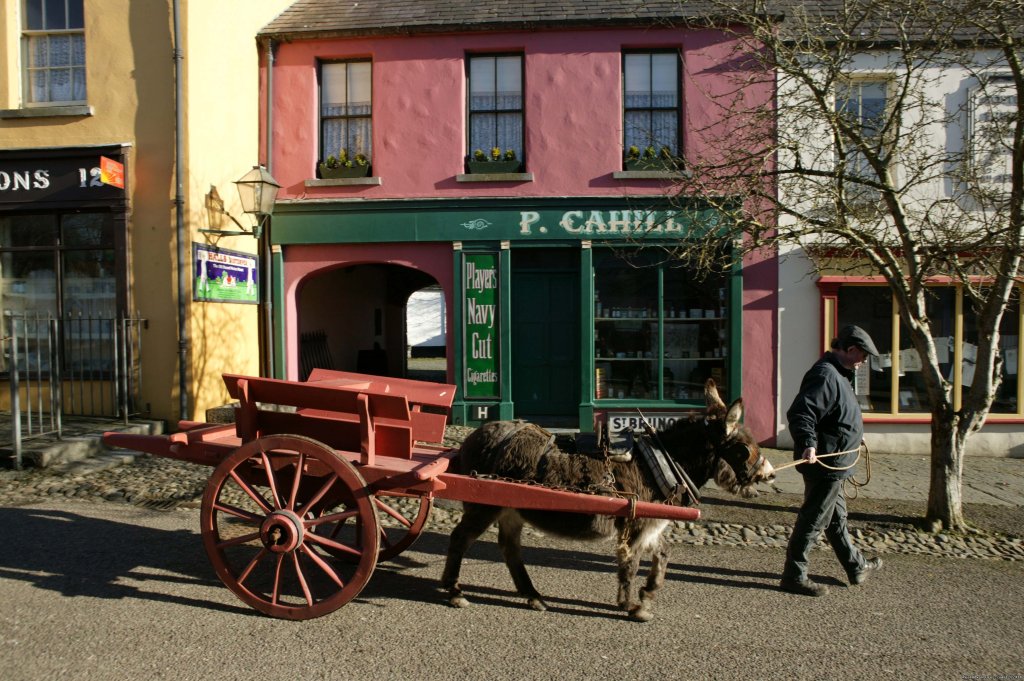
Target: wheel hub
{"x":282,"y":532}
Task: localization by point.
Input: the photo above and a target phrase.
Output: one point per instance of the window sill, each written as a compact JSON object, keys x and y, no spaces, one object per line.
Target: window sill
{"x":494,"y":177}
{"x":344,"y":182}
{"x":650,"y":174}
{"x":47,"y":111}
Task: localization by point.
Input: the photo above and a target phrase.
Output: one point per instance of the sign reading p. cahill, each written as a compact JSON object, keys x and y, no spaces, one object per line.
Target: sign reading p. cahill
{"x":223,"y":276}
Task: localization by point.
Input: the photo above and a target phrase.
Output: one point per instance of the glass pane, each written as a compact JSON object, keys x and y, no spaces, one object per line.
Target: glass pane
{"x":38,"y":51}
{"x":76,"y":17}
{"x":873,"y":105}
{"x":696,"y":333}
{"x":637,"y":75}
{"x":333,"y":89}
{"x":509,"y":82}
{"x":18,"y":231}
{"x":28,"y":297}
{"x":626,"y":331}
{"x":481,"y":81}
{"x":481,"y":132}
{"x":510,"y":132}
{"x":37,"y":86}
{"x":1009,"y":346}
{"x":34,"y":15}
{"x":55,"y":17}
{"x":638,"y":129}
{"x":28,"y":282}
{"x":666,"y":129}
{"x":665,"y":85}
{"x":358,"y":137}
{"x":1009,"y":341}
{"x":359,"y":88}
{"x":334,"y":138}
{"x":941,"y":310}
{"x":89,"y":285}
{"x":78,"y":84}
{"x":870,"y":307}
{"x":78,"y":50}
{"x":60,"y":50}
{"x":88,"y":229}
{"x":60,"y":85}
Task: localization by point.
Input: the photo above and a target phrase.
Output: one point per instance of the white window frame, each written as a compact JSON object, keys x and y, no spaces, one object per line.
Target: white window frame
{"x":74,"y":69}
{"x":986,"y":103}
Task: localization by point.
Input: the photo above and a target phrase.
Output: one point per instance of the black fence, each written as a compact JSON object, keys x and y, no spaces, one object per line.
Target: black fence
{"x":79,"y":365}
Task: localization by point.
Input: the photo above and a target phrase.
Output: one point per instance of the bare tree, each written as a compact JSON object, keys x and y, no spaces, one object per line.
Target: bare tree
{"x":917,"y":192}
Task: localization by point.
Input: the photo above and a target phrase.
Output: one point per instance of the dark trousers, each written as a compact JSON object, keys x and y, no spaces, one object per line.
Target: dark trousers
{"x":824,"y":509}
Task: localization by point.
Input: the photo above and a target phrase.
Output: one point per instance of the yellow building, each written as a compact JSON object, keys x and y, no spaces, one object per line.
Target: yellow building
{"x":87,"y":80}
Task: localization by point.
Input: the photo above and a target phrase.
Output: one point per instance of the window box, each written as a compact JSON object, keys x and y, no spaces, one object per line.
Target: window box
{"x":343,"y":172}
{"x":493,"y":166}
{"x":666,"y":165}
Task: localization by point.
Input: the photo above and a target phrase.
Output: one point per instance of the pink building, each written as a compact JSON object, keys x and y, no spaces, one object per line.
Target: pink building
{"x":559,"y":308}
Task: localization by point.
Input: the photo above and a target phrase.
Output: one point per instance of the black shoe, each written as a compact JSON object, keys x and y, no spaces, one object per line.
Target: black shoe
{"x":869,"y":566}
{"x":804,"y":587}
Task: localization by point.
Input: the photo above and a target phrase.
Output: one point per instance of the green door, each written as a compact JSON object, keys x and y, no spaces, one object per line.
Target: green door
{"x":546,"y":337}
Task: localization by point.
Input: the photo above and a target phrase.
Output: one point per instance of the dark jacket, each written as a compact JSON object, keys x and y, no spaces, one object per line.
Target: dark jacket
{"x":826,"y":415}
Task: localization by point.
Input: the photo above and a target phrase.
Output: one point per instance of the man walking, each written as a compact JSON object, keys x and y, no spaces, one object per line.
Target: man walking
{"x":825,"y":418}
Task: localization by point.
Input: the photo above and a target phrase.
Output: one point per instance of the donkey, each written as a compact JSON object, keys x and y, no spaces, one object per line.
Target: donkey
{"x":717,"y":446}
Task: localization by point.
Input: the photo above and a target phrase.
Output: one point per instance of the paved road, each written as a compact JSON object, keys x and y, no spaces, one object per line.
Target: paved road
{"x":104,"y":591}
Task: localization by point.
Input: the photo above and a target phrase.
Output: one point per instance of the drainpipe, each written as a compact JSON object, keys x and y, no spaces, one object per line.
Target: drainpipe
{"x":266,"y":303}
{"x":179,"y":210}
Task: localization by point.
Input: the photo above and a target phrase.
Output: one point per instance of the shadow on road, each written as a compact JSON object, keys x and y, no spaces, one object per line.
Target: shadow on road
{"x":77,"y":555}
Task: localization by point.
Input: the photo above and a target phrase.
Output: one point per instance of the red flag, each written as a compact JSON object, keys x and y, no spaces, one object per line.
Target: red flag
{"x":111,"y":172}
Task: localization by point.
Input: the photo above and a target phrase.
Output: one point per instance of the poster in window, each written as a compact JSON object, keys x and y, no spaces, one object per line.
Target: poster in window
{"x":223,"y":276}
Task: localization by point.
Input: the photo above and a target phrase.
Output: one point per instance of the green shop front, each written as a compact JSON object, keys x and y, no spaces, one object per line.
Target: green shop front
{"x":562,"y":312}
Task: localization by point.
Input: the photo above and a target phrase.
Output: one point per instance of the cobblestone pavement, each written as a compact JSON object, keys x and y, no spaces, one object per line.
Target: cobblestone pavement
{"x":161,"y":483}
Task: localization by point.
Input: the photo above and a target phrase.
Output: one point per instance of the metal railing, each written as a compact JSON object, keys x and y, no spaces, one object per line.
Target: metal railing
{"x":80,"y":365}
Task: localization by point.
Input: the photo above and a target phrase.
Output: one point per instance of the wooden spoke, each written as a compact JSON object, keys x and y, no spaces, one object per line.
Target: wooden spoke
{"x":253,"y":494}
{"x":271,"y":480}
{"x":296,"y":481}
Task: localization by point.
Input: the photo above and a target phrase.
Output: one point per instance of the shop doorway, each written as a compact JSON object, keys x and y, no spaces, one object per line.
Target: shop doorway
{"x":356,"y":318}
{"x":546,"y":336}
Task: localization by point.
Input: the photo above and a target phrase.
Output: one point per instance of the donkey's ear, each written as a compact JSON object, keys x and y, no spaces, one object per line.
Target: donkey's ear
{"x":734,"y":416}
{"x":711,"y":395}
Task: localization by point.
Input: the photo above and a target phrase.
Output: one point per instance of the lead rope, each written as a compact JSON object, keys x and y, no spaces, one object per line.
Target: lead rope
{"x":855,"y":484}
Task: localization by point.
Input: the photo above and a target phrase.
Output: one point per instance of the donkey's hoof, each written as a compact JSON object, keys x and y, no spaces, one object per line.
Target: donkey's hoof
{"x":537,"y":604}
{"x":458,"y":601}
{"x":641,"y":614}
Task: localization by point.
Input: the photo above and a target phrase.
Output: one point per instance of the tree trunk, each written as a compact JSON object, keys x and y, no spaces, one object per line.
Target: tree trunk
{"x":945,"y":494}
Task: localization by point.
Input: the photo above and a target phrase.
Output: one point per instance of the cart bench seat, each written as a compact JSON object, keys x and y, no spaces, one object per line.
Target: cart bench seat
{"x":345,"y":414}
{"x":429,"y":403}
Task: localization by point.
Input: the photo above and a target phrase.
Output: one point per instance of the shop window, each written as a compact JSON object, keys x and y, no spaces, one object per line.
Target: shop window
{"x":870,"y":307}
{"x":660,"y":330}
{"x":496,"y":103}
{"x":861,"y":105}
{"x":651,"y":102}
{"x":893,"y":383}
{"x":53,"y":44}
{"x":346,"y":109}
{"x":59,"y":266}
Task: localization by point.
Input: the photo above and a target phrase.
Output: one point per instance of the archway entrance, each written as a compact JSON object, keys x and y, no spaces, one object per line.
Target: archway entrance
{"x":355,"y":318}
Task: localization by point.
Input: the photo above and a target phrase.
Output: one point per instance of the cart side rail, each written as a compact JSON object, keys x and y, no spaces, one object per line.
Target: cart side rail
{"x":349,"y":417}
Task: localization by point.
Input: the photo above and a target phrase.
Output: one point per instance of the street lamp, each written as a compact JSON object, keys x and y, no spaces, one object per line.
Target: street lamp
{"x":257,"y":190}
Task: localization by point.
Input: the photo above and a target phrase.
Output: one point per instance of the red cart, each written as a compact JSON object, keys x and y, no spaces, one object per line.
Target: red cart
{"x":317,"y":481}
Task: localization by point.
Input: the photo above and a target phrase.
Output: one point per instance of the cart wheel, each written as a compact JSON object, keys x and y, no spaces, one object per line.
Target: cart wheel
{"x":258,"y":517}
{"x":401,"y":518}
